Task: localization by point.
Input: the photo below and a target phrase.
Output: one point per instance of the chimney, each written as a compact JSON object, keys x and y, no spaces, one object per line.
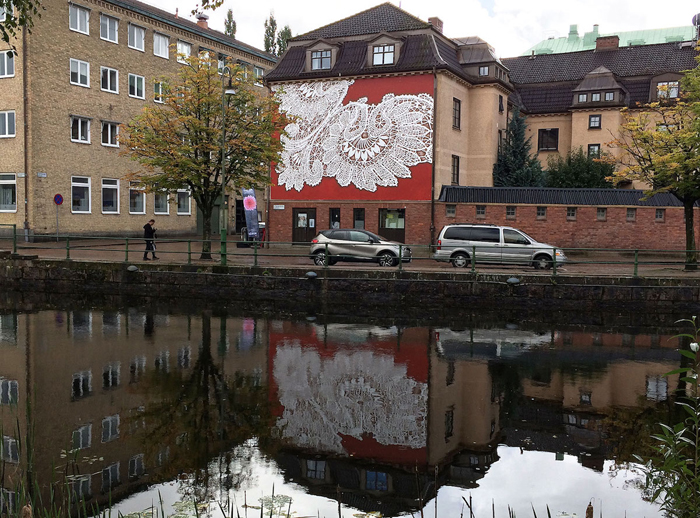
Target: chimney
{"x":202,"y":20}
{"x":607,"y":43}
{"x":436,"y":23}
{"x":573,"y":32}
{"x":177,"y":12}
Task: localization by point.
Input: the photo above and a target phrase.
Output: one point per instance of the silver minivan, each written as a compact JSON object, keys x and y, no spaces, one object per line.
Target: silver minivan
{"x":493,"y":244}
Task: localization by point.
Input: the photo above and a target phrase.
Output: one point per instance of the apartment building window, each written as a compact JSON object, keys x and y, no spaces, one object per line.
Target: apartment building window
{"x":80,"y":130}
{"x":109,"y":80}
{"x":184,"y":51}
{"x":510,"y":212}
{"x":383,"y":55}
{"x":80,"y":488}
{"x":7,"y":124}
{"x":602,"y":214}
{"x":582,"y":98}
{"x":136,"y":86}
{"x":110,"y":428}
{"x":631,"y":214}
{"x":660,"y":215}
{"x":455,"y":170}
{"x":111,"y":375}
{"x":657,"y":388}
{"x":9,"y":392}
{"x":481,"y":211}
{"x":136,"y":467}
{"x":137,"y":199}
{"x":184,"y":357}
{"x":594,"y":150}
{"x":81,"y":386}
{"x":450,"y":211}
{"x":8,"y":502}
{"x":548,"y":139}
{"x":184,"y":202}
{"x":79,"y":18}
{"x":595,"y":97}
{"x":110,"y":196}
{"x":358,"y":218}
{"x":110,"y":134}
{"x":571,"y":213}
{"x":160,"y":203}
{"x":316,"y":469}
{"x":449,"y":423}
{"x":4,"y":12}
{"x":82,"y":437}
{"x":8,"y":192}
{"x":80,"y":194}
{"x":137,"y":37}
{"x":377,"y":481}
{"x":161,"y":45}
{"x":541,"y":212}
{"x":259,"y":74}
{"x":110,"y":477}
{"x":137,"y":369}
{"x":109,"y":28}
{"x":483,"y":71}
{"x":501,"y":107}
{"x":10,"y":449}
{"x":594,"y":121}
{"x":7,"y":63}
{"x":321,"y":60}
{"x":162,"y":361}
{"x":667,"y":90}
{"x":158,"y":92}
{"x":609,"y":96}
{"x":80,"y":73}
{"x":456,"y":113}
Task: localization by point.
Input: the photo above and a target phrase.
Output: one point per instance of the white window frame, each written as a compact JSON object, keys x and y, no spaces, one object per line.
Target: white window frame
{"x":78,"y":63}
{"x":134,"y":188}
{"x":132,"y":39}
{"x":74,"y":183}
{"x":189,"y":204}
{"x":259,"y":74}
{"x":609,"y":96}
{"x":595,"y":97}
{"x":3,"y":13}
{"x":583,"y":98}
{"x":115,"y":87}
{"x":10,"y":449}
{"x":7,"y":115}
{"x":110,"y":186}
{"x":158,"y":92}
{"x":78,"y":9}
{"x":137,"y":368}
{"x":483,"y":71}
{"x":7,"y":58}
{"x":81,"y":487}
{"x":82,"y":375}
{"x":184,"y":357}
{"x":112,"y":480}
{"x":6,"y":180}
{"x":671,"y":92}
{"x":136,"y":466}
{"x":82,"y":444}
{"x":86,"y":134}
{"x":182,"y":45}
{"x":114,"y":373}
{"x":6,"y":392}
{"x":136,"y":89}
{"x":161,"y":362}
{"x":110,"y":424}
{"x":381,"y":53}
{"x":167,"y":204}
{"x":157,"y":39}
{"x":319,"y":57}
{"x":116,"y":28}
{"x":113,"y":132}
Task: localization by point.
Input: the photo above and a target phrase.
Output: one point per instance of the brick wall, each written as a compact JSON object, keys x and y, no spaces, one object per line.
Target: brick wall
{"x":585,"y":231}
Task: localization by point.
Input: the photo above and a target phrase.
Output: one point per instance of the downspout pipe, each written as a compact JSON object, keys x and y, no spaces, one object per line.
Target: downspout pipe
{"x":432,"y":188}
{"x":25,"y":93}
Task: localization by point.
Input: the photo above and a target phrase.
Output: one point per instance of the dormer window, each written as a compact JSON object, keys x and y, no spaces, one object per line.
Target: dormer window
{"x":582,"y":98}
{"x":483,"y":71}
{"x":609,"y":96}
{"x":383,"y":55}
{"x":595,"y":98}
{"x":667,"y":90}
{"x":321,"y":60}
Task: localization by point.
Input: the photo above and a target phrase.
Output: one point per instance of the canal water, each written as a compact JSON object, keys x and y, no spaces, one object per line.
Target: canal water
{"x":150,"y":413}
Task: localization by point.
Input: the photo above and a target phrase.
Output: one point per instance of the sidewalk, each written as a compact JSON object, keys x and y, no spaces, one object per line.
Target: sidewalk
{"x":176,"y":252}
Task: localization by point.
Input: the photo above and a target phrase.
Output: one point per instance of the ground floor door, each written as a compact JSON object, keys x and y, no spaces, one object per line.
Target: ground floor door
{"x":215,"y":219}
{"x":392,"y":224}
{"x":303,"y":225}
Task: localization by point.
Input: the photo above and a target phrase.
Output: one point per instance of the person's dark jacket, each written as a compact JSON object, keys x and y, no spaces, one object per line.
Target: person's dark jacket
{"x":148,"y":231}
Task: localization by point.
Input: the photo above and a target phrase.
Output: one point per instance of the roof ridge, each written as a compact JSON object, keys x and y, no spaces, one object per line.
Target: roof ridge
{"x":626,"y":47}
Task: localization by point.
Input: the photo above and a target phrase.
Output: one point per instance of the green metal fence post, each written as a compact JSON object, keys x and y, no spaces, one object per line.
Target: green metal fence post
{"x":126,"y":251}
{"x":473,"y":259}
{"x":325,"y":258}
{"x":636,"y":263}
{"x":400,"y":257}
{"x":189,"y":251}
{"x":67,"y":248}
{"x":14,"y":239}
{"x":255,"y":253}
{"x":223,"y":248}
{"x":554,"y":262}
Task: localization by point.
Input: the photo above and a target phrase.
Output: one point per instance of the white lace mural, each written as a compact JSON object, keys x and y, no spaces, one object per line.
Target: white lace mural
{"x":358,"y":144}
{"x":355,"y":394}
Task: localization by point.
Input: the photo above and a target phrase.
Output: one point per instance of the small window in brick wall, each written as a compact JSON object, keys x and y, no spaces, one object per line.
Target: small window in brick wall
{"x":481,"y":211}
{"x":510,"y":212}
{"x":631,"y":214}
{"x":450,"y":211}
{"x":660,"y":215}
{"x":571,"y":213}
{"x":602,"y":214}
{"x":541,"y":212}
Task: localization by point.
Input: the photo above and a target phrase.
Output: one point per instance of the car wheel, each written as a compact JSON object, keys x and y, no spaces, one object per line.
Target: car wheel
{"x":460,"y":261}
{"x":320,"y":259}
{"x":542,"y":262}
{"x":387,"y":259}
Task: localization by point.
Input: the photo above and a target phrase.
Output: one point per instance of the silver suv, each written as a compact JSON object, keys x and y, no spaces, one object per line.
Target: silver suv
{"x":356,"y":245}
{"x":492,"y":244}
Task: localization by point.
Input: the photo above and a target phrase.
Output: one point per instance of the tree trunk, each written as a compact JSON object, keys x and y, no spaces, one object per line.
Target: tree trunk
{"x":691,"y":255}
{"x":206,"y":235}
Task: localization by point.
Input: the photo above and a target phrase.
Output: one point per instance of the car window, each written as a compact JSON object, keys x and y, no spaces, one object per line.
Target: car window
{"x":487,"y":235}
{"x":513,"y":237}
{"x":460,"y":233}
{"x":340,"y":235}
{"x":358,"y":237}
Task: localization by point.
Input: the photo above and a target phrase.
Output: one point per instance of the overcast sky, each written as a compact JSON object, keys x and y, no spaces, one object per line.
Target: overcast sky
{"x":511,"y":26}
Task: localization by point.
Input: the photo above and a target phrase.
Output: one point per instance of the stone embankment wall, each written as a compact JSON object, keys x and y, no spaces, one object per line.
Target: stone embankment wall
{"x":351,"y":292}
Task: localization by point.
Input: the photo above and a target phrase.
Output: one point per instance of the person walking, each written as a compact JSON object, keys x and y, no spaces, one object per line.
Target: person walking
{"x":149,"y":234}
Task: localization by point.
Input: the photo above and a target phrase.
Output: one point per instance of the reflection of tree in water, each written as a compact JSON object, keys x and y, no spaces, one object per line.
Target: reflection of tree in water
{"x":203,"y":425}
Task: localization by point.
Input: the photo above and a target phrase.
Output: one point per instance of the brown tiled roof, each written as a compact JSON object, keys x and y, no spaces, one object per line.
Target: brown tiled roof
{"x":188,"y":25}
{"x":385,"y":17}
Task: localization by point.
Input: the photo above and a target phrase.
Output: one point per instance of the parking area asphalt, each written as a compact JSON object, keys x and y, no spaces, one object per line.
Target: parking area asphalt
{"x":605,"y":263}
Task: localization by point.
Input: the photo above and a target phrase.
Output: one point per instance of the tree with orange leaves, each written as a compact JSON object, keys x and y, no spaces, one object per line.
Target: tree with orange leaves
{"x":178,"y":142}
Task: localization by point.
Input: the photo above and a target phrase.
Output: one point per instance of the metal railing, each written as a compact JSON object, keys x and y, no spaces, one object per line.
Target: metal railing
{"x":624,"y":262}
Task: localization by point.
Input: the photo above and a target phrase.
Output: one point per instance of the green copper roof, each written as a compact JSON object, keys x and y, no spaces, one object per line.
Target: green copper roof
{"x":574,"y":42}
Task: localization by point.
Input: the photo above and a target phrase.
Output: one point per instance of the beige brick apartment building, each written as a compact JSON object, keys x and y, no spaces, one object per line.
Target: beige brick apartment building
{"x":87,"y":67}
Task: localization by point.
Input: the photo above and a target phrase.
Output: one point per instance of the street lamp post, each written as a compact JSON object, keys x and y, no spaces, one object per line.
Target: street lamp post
{"x":223,"y":215}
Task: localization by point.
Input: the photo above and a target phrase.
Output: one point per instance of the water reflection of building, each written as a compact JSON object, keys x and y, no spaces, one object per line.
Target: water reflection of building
{"x":91,"y":377}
